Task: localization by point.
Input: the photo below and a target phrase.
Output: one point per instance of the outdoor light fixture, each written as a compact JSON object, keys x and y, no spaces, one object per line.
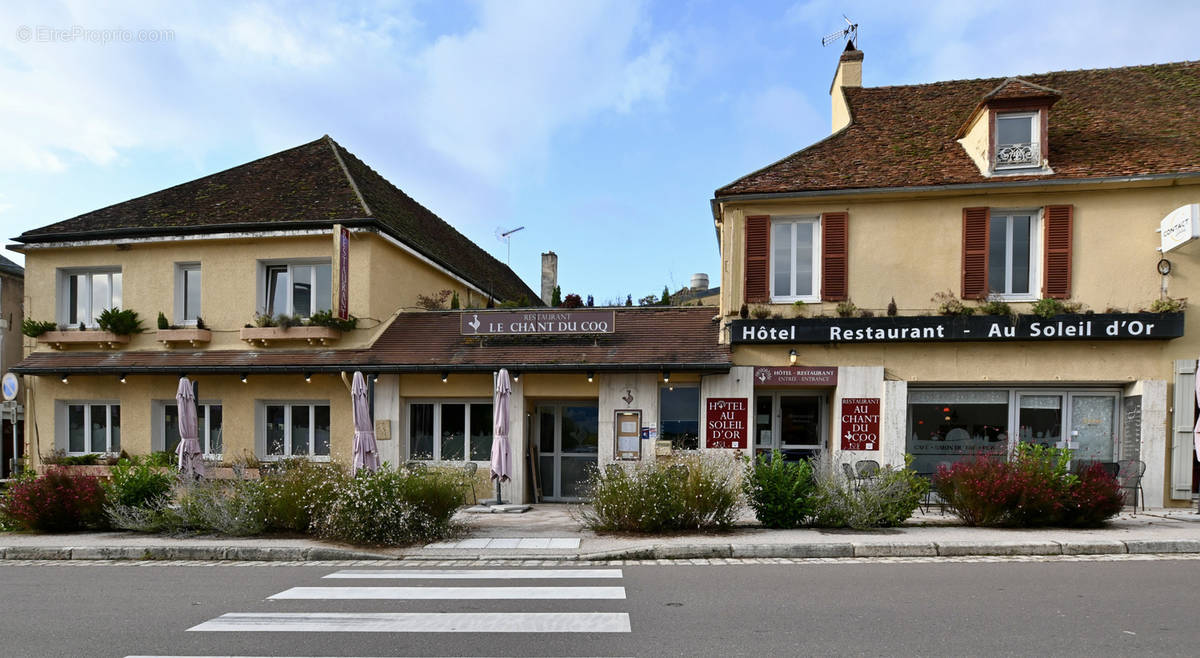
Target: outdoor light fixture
{"x":516,"y":376}
{"x":64,"y":378}
{"x":121,"y":378}
{"x":792,"y":357}
{"x":445,"y":376}
{"x":590,"y":375}
{"x":308,"y":377}
{"x":666,"y":377}
{"x":244,"y":377}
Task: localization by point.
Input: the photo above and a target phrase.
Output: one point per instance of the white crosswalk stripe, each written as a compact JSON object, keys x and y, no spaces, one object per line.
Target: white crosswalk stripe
{"x":450,"y":593}
{"x":475,"y":574}
{"x":514,"y":621}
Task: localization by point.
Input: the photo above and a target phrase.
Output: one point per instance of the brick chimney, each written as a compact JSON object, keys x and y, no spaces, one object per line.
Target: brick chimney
{"x":549,"y":276}
{"x":849,"y":74}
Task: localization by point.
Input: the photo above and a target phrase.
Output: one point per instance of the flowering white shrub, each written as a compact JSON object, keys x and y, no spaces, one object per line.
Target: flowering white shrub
{"x":392,"y":508}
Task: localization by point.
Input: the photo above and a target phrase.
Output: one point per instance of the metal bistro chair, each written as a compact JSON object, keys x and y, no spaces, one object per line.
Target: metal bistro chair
{"x":866,"y":469}
{"x":1130,"y":477}
{"x":851,"y":478}
{"x":469,"y":470}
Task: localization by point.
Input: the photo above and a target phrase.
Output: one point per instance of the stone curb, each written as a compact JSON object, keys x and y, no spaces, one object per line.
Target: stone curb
{"x":188,"y":553}
{"x":656,"y":552}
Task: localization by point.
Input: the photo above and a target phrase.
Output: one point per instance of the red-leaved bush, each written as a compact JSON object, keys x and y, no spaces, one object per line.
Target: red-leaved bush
{"x":57,"y":501}
{"x":1033,"y":489}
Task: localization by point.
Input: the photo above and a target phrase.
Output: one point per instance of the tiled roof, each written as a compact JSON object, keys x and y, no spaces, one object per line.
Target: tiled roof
{"x":302,"y":187}
{"x":9,"y":267}
{"x":672,"y":338}
{"x":1139,"y":120}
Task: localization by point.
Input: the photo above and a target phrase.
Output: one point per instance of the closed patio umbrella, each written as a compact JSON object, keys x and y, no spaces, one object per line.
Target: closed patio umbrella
{"x":191,"y":464}
{"x":366,"y":452}
{"x":501,"y":457}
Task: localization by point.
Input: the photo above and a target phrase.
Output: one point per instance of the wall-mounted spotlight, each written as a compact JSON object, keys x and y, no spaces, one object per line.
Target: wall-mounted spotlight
{"x":516,"y":376}
{"x":121,"y":378}
{"x":590,"y":376}
{"x":64,"y":378}
{"x":792,"y":357}
{"x":308,"y":377}
{"x":445,"y":376}
{"x":244,"y":377}
{"x":666,"y":377}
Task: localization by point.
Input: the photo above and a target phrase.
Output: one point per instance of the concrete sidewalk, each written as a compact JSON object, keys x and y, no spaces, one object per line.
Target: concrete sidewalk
{"x":549,"y":532}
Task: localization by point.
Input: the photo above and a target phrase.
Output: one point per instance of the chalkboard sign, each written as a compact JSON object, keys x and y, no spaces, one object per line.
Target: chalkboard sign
{"x":1131,"y":427}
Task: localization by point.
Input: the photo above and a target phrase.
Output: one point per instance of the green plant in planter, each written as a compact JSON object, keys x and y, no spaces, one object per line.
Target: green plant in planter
{"x":263,"y":320}
{"x":996,"y":307}
{"x":200,"y":323}
{"x":1048,"y":308}
{"x":328,"y":319}
{"x":949,"y":304}
{"x":1168,"y":305}
{"x":120,"y":322}
{"x":846,"y":309}
{"x":286,"y":321}
{"x":162,"y":322}
{"x":761,"y":312}
{"x":33,"y":328}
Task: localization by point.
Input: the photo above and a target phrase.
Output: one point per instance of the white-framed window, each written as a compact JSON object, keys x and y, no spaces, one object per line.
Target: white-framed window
{"x":450,"y":430}
{"x":795,"y":259}
{"x":209,"y":423}
{"x":679,"y":416}
{"x":294,"y":429}
{"x":300,"y":287}
{"x":1018,"y":140}
{"x":83,"y":294}
{"x":89,"y":426}
{"x":1013,"y":254}
{"x":187,"y":293}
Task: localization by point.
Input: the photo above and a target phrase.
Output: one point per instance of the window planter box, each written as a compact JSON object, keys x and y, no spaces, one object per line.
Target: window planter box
{"x":313,"y":335}
{"x":104,"y":339}
{"x":193,"y":337}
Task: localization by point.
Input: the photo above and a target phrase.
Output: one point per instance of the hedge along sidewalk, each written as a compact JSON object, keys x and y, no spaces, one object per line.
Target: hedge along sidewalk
{"x":1159,"y":532}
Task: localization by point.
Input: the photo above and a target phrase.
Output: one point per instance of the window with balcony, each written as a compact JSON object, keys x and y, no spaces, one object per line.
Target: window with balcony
{"x":1018,"y":140}
{"x":83,"y":294}
{"x":296,"y":288}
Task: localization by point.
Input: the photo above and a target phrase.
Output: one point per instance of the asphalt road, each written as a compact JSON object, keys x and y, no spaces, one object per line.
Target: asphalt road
{"x":1097,"y":608}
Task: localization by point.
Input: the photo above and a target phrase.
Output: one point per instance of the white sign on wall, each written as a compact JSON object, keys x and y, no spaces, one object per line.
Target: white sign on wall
{"x":1179,"y":227}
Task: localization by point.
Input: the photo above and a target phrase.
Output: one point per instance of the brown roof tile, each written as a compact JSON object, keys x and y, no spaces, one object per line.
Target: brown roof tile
{"x":678,"y":338}
{"x":1138,"y":120}
{"x":302,"y":187}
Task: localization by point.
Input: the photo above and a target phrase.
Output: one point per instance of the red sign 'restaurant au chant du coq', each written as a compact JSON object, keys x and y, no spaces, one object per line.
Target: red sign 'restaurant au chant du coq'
{"x":860,"y":423}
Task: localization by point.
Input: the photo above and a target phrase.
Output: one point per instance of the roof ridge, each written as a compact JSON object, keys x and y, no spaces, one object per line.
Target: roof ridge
{"x":333,"y":146}
{"x":1024,"y":77}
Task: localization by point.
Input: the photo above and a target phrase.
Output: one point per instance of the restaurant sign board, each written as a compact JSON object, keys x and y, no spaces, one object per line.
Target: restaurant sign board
{"x":860,"y":423}
{"x":941,"y":328}
{"x":795,"y":376}
{"x":725,"y":421}
{"x":536,"y":322}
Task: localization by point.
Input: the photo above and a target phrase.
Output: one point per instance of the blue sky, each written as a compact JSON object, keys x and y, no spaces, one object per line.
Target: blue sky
{"x":601,"y":127}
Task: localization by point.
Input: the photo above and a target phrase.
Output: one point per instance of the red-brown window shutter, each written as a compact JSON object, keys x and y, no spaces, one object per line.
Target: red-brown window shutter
{"x":1057,"y":260}
{"x":834,"y":256}
{"x":758,"y":259}
{"x":975,"y":252}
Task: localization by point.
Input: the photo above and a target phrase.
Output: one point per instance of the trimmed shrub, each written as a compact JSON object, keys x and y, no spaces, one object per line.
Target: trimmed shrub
{"x":57,"y":501}
{"x":884,"y":501}
{"x":693,"y":492}
{"x":295,"y":491}
{"x":392,"y":508}
{"x":779,"y":492}
{"x":1035,"y":488}
{"x":224,"y":507}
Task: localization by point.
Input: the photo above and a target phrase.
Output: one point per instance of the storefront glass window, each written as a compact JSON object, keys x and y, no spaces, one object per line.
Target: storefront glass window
{"x":454,"y":425}
{"x":949,"y":426}
{"x":420,"y":431}
{"x":680,"y":415}
{"x":463,"y":429}
{"x":481,"y":432}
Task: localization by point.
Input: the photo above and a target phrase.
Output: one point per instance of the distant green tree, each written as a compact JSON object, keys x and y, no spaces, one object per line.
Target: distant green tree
{"x":666,"y":297}
{"x":454,"y":304}
{"x":629,"y":300}
{"x":556,"y":297}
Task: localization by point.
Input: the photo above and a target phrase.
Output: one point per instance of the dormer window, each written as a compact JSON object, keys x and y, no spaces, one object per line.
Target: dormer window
{"x":1017,"y":143}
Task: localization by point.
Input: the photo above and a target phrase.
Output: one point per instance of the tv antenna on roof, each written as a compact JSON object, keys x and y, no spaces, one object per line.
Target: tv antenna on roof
{"x":505,"y":237}
{"x":849,"y":33}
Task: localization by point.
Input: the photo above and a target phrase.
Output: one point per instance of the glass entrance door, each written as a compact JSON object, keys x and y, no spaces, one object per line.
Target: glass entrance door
{"x":792,"y":423}
{"x":1083,"y":422}
{"x":568,"y":441}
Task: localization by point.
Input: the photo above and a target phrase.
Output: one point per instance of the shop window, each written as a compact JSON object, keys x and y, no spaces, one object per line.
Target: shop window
{"x":1012,"y":254}
{"x":296,"y":429}
{"x":679,"y":416}
{"x":948,"y":426}
{"x":450,"y":431}
{"x":187,"y":293}
{"x":209,"y":422}
{"x":296,"y":288}
{"x":84,"y":294}
{"x":90,"y":427}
